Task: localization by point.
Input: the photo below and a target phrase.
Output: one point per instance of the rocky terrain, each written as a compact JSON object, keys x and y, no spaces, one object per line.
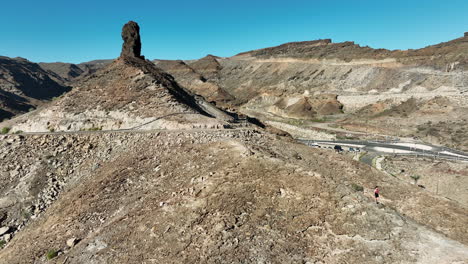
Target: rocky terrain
{"x":140,"y":162}
{"x":24,"y":85}
{"x":229,"y":196}
{"x":448,"y":179}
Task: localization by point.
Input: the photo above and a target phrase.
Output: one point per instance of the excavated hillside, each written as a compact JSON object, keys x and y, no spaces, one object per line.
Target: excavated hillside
{"x":24,"y":86}
{"x":277,"y":84}
{"x":342,"y":68}
{"x":445,"y":56}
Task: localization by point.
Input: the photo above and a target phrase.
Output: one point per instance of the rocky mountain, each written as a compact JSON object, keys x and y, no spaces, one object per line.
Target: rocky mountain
{"x":25,"y":85}
{"x":128,"y":93}
{"x":69,"y":72}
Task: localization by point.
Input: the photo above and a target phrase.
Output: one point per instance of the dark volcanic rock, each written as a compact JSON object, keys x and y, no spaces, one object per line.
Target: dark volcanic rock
{"x":132,"y":42}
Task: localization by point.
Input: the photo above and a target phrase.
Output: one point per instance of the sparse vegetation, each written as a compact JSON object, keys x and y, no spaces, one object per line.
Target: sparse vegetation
{"x":18,"y":132}
{"x":51,"y":129}
{"x":95,"y":129}
{"x":295,"y":122}
{"x":319,"y":120}
{"x":357,"y":187}
{"x":51,"y":254}
{"x":26,"y":214}
{"x":5,"y":130}
{"x":2,"y":243}
{"x":415,"y":178}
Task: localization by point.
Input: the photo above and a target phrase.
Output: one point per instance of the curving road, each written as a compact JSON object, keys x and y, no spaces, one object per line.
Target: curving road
{"x":393,"y":148}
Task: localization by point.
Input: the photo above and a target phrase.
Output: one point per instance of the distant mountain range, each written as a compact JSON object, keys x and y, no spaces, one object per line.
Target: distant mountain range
{"x":292,"y":68}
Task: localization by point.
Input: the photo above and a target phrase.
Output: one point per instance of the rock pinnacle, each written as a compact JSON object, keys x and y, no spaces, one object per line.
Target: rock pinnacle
{"x":132,"y":42}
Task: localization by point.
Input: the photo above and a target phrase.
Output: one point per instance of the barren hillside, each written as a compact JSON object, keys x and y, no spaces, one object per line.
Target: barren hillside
{"x":233,"y":196}
{"x":25,"y":85}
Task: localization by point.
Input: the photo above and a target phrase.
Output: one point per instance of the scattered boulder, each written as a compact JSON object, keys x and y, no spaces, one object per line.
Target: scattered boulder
{"x":7,"y":237}
{"x":131,"y":47}
{"x":72,"y":242}
{"x":4,"y":230}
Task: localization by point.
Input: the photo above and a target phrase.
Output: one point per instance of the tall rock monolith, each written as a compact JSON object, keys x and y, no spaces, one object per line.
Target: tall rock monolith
{"x":131,"y":47}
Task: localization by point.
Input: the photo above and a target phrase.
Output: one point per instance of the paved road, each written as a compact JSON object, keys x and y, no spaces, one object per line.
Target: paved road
{"x":327,"y":126}
{"x":394,"y":148}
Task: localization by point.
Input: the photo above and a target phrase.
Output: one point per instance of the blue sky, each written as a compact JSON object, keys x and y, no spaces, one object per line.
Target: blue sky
{"x":78,"y":31}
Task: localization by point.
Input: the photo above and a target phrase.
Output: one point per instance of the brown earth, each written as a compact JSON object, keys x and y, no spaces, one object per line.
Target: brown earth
{"x":229,"y":196}
{"x":443,"y":178}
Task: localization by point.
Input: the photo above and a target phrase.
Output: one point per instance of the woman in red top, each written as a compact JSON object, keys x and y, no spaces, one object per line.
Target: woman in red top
{"x":376,"y":194}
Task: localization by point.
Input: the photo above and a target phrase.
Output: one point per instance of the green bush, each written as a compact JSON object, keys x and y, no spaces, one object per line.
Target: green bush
{"x":2,"y":243}
{"x":319,"y":120}
{"x":357,"y":187}
{"x":51,"y":254}
{"x":415,"y":178}
{"x":5,"y":130}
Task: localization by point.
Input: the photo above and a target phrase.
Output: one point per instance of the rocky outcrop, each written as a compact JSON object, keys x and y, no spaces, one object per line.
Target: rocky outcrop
{"x":131,"y":47}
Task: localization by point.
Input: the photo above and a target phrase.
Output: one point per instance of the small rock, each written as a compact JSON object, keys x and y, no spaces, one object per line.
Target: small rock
{"x":4,"y":230}
{"x":72,"y":242}
{"x":282,"y":192}
{"x":7,"y":237}
{"x":14,"y":173}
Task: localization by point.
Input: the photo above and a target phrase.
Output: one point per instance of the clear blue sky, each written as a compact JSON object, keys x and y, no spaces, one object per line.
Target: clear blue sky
{"x":83,"y":30}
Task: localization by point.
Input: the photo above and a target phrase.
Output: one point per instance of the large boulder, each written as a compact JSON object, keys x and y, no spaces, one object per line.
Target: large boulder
{"x":131,"y":47}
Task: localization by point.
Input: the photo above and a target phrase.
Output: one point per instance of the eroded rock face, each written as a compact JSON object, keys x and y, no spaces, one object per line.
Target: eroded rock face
{"x":131,"y":47}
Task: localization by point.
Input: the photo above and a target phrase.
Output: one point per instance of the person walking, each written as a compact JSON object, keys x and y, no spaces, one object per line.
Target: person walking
{"x":376,"y":194}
